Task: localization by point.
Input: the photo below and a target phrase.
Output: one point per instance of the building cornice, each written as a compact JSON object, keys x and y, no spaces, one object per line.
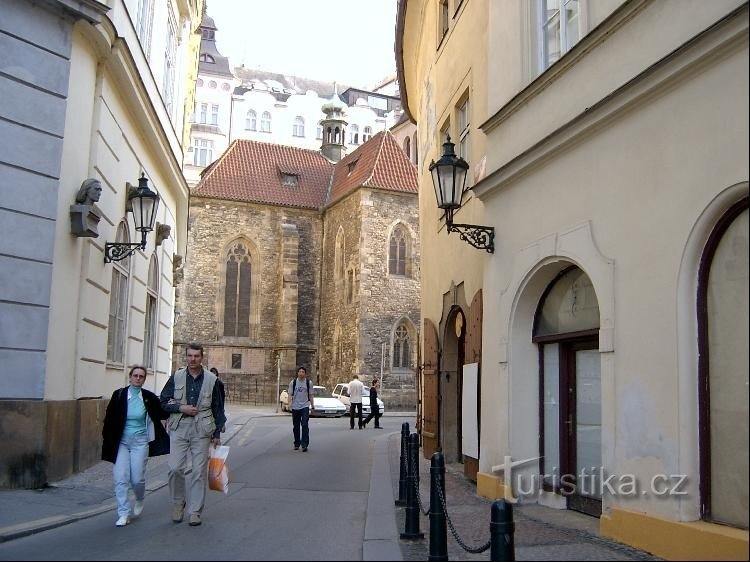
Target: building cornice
{"x":596,"y":37}
{"x":727,"y":35}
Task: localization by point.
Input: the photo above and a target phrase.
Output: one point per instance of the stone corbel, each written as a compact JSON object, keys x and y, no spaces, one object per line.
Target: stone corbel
{"x":162,"y":232}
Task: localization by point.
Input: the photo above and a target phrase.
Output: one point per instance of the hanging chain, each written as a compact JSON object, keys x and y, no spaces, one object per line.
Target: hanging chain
{"x":419,"y":497}
{"x":462,"y":544}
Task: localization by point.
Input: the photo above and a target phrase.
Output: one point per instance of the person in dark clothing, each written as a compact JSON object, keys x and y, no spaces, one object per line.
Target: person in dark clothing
{"x":374,"y":408}
{"x":220,"y":384}
{"x":196,"y":416}
{"x":133,"y":431}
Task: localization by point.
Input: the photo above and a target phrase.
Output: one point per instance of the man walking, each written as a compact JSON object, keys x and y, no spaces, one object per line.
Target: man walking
{"x":196,"y":415}
{"x":355,"y":401}
{"x":374,"y":407}
{"x":301,"y":392}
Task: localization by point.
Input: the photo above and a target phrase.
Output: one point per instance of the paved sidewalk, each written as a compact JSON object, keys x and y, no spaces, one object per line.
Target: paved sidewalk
{"x":541,"y":533}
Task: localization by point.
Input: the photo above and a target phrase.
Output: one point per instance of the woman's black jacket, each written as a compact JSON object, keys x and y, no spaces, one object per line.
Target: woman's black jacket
{"x":114,"y":424}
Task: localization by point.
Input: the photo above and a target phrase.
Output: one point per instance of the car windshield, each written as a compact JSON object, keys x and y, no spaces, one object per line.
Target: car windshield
{"x":322,"y":392}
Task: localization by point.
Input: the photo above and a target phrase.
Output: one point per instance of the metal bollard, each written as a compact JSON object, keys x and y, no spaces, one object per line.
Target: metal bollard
{"x":411,"y":522}
{"x":438,"y":528}
{"x":501,"y":532}
{"x":402,"y":471}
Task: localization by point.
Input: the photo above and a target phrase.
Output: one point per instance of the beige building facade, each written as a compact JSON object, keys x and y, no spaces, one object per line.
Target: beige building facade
{"x":614,"y":147}
{"x":72,"y":325}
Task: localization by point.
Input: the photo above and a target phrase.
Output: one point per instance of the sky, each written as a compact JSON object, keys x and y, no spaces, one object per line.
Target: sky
{"x":347,"y":41}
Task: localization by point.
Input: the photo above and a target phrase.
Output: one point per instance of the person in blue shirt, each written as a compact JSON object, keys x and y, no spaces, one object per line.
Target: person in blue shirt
{"x":133,"y":431}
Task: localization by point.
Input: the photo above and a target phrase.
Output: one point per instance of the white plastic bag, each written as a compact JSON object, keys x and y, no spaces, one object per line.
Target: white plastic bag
{"x":218,"y":472}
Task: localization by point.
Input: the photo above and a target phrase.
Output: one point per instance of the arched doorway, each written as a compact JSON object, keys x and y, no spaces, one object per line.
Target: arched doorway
{"x":451,"y":385}
{"x":723,"y":370}
{"x":566,"y":331}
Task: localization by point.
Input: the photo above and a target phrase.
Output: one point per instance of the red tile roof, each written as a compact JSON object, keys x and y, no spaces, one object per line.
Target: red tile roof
{"x":252,"y":171}
{"x":378,"y":163}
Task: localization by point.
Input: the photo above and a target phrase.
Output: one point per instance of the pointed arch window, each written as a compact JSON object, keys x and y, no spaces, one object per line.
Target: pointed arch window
{"x":397,"y":252}
{"x":265,"y":122}
{"x":118,"y":302}
{"x":152,"y":314}
{"x":298,"y":129}
{"x":402,"y":346}
{"x":237,"y":292}
{"x":339,"y":256}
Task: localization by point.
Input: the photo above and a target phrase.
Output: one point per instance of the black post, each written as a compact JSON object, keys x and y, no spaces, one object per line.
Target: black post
{"x":438,"y":529}
{"x":501,"y":532}
{"x":402,"y":471}
{"x":411,"y":522}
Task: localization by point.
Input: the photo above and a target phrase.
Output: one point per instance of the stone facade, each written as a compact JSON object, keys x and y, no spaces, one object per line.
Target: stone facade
{"x":285,"y":248}
{"x":379,"y":302}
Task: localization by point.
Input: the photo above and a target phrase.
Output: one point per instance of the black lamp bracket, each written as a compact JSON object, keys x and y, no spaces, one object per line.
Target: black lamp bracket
{"x":116,"y":251}
{"x":481,"y":237}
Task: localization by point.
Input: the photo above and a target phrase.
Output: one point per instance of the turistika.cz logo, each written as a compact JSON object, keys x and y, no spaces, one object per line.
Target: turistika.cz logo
{"x":593,"y":482}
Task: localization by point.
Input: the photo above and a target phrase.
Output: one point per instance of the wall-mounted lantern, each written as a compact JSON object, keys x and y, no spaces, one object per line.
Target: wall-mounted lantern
{"x":449,"y":180}
{"x":143,"y":203}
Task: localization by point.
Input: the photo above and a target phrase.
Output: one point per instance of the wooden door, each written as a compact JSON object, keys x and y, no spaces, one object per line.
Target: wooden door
{"x":473,"y":354}
{"x":430,"y":385}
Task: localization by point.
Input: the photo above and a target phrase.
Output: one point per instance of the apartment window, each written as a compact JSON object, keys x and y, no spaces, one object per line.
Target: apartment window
{"x":366,"y":134}
{"x":152,"y":314}
{"x":560,"y":28}
{"x":298,"y":129}
{"x":354,"y":134}
{"x":251,"y":121}
{"x":203,"y":152}
{"x":319,"y":132}
{"x":170,"y":61}
{"x":265,"y":122}
{"x":445,"y":131}
{"x":143,"y":24}
{"x":118,"y":302}
{"x":214,"y":115}
{"x":407,"y":147}
{"x":444,"y":18}
{"x":236,"y":361}
{"x":203,"y":114}
{"x":464,"y":127}
{"x":237,"y":292}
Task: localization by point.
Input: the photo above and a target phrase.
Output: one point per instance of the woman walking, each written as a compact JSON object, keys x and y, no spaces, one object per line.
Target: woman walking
{"x":132,"y":432}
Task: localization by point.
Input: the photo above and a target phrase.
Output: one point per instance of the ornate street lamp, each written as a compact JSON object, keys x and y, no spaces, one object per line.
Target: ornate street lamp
{"x":143,"y":203}
{"x":449,"y":179}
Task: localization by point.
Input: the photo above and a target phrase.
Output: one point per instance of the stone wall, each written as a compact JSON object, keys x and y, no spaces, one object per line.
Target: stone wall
{"x":285,"y":248}
{"x":387,"y":299}
{"x":335,"y":306}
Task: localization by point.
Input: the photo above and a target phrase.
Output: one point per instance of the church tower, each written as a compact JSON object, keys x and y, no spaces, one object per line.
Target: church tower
{"x":334,"y":128}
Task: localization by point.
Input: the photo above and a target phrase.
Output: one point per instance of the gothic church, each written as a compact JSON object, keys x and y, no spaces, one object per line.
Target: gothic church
{"x":304,"y":257}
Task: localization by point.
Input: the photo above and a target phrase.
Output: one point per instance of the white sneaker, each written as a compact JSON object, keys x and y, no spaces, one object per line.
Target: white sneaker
{"x":122,"y":521}
{"x":138,"y":508}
